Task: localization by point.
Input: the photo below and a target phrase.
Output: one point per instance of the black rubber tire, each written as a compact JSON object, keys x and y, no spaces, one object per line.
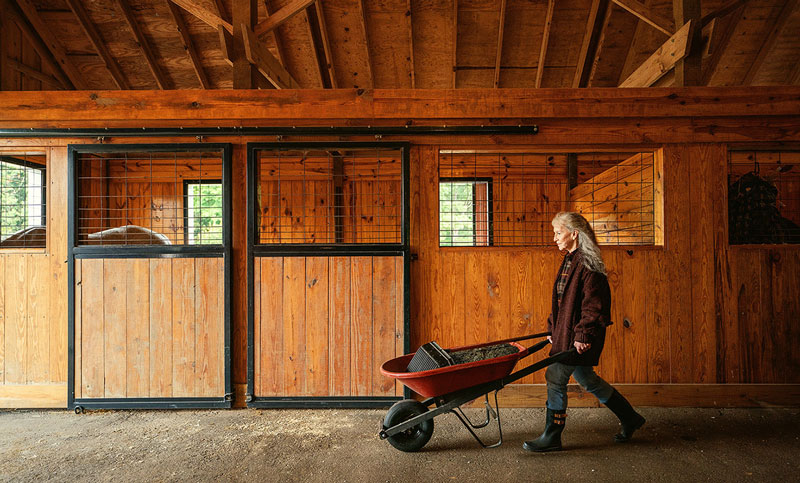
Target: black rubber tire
{"x":414,"y":438}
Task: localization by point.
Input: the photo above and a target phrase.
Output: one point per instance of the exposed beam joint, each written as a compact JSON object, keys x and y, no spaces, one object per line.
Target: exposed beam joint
{"x":648,"y":15}
{"x":188,"y":45}
{"x":597,"y":13}
{"x":723,"y":32}
{"x":548,"y":21}
{"x":275,"y":36}
{"x":265,"y":62}
{"x":53,"y":45}
{"x":206,"y":16}
{"x":98,"y":43}
{"x":281,"y":16}
{"x":33,"y":73}
{"x":144,"y":45}
{"x":499,"y":53}
{"x":722,"y":11}
{"x":689,"y":70}
{"x":601,"y":38}
{"x":776,"y":25}
{"x":245,"y":16}
{"x":664,"y":59}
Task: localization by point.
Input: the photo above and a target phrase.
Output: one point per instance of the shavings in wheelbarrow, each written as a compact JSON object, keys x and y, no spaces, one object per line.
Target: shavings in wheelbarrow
{"x":482,"y":353}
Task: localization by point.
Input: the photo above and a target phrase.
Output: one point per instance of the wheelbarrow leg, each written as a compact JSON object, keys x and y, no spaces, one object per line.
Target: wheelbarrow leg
{"x":491,"y":414}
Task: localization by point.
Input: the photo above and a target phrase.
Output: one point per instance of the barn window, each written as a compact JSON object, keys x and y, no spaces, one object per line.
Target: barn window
{"x":618,"y":192}
{"x":763,"y":197}
{"x":203,"y":213}
{"x":22,"y":201}
{"x":464,"y":213}
{"x":328,"y":196}
{"x":139,"y":196}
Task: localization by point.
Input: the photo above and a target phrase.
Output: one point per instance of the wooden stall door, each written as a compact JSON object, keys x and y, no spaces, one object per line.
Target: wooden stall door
{"x":324,"y":325}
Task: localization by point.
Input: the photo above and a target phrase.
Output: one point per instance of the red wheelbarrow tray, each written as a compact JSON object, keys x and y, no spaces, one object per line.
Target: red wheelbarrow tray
{"x":444,"y":380}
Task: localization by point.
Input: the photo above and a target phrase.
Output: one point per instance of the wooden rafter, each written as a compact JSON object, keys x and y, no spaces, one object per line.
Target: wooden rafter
{"x":275,"y":36}
{"x":726,"y":27}
{"x":33,"y":73}
{"x":662,"y":60}
{"x":601,"y":38}
{"x":281,"y":16}
{"x":53,"y":46}
{"x":548,"y":20}
{"x":499,"y":52}
{"x":265,"y":62}
{"x":370,"y":67}
{"x":98,"y":43}
{"x":206,"y":16}
{"x":775,"y":27}
{"x":223,"y":14}
{"x":648,"y":15}
{"x":410,"y":23}
{"x":144,"y":45}
{"x":455,"y":41}
{"x":315,"y":43}
{"x":188,"y":45}
{"x":597,"y":13}
{"x":322,"y":46}
{"x":722,"y":11}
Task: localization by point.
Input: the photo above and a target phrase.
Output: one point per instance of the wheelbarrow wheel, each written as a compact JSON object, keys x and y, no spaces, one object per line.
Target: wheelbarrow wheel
{"x":415,"y":437}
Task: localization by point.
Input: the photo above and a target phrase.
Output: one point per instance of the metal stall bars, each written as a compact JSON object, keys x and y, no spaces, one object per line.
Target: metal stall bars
{"x":328,"y":272}
{"x":149,"y":276}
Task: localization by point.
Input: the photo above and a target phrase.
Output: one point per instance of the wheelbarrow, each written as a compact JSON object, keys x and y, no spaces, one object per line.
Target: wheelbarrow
{"x":408,"y":425}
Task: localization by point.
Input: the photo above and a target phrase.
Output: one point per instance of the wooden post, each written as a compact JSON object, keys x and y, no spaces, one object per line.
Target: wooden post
{"x":688,"y":71}
{"x":572,"y":170}
{"x":244,"y":12}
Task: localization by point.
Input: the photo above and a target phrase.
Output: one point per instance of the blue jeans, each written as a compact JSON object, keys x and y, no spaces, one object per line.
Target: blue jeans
{"x":557,"y":377}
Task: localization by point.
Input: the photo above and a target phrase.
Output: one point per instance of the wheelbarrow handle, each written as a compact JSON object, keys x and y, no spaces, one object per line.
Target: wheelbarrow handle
{"x":524,"y":337}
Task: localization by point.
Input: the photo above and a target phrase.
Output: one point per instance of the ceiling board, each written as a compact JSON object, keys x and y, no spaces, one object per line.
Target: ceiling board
{"x":348,"y":44}
{"x":433,"y":43}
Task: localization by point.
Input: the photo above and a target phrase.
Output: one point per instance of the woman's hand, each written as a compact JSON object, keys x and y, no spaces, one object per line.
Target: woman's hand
{"x":550,"y":339}
{"x":582,"y":347}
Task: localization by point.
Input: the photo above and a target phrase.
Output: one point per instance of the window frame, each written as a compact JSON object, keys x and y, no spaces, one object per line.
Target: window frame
{"x":186,"y":184}
{"x":489,"y":209}
{"x":11,"y":158}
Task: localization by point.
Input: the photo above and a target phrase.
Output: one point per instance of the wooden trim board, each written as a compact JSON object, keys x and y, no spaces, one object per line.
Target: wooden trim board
{"x":33,"y":396}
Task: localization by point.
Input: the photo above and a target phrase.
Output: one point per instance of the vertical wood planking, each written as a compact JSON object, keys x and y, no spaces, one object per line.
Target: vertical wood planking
{"x":476,"y":300}
{"x":272,"y":349}
{"x":658,"y":349}
{"x":612,"y":363}
{"x":183,"y":327}
{"x":747,"y":293}
{"x":316,"y":309}
{"x":92,"y":361}
{"x":399,"y":335}
{"x":361,"y":326}
{"x":294,"y":320}
{"x":793,"y":281}
{"x":15,"y":278}
{"x":521,"y":274}
{"x":37,"y":351}
{"x":209,"y":322}
{"x":636,"y":301}
{"x":766,"y":323}
{"x":384,"y":300}
{"x":258,"y":343}
{"x":137,"y":309}
{"x":339,"y":323}
{"x":161,"y":297}
{"x":114,"y":325}
{"x":2,"y":315}
{"x":677,"y":259}
{"x":450,"y":298}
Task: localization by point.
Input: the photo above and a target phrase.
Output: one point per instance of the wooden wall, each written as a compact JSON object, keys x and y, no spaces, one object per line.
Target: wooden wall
{"x":149,"y":328}
{"x":21,"y":68}
{"x":324,"y":325}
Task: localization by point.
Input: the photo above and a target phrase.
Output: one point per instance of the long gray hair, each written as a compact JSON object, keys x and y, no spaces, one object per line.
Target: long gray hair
{"x":587,"y":242}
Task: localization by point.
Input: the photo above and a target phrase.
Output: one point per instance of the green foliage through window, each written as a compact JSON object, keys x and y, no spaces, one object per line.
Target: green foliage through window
{"x":204,"y":213}
{"x":21,"y":198}
{"x":458,"y":216}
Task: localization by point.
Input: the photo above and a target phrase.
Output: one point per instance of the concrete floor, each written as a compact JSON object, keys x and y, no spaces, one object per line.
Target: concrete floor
{"x":342,"y":445}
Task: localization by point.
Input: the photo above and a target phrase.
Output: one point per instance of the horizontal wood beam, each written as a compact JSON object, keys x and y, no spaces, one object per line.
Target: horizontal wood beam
{"x":281,"y":16}
{"x":536,"y":105}
{"x":99,"y":45}
{"x":33,"y":73}
{"x":664,"y":59}
{"x":265,"y":62}
{"x":648,"y":15}
{"x":206,"y":16}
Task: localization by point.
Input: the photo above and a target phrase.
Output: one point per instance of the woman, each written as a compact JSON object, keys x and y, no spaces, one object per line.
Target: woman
{"x":581,"y":311}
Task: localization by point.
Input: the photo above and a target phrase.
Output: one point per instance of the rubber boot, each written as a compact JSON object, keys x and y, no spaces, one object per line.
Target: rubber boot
{"x":628,"y":417}
{"x":550,"y":440}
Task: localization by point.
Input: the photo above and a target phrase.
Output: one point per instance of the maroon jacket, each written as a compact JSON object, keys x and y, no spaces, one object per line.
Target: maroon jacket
{"x":584,"y":314}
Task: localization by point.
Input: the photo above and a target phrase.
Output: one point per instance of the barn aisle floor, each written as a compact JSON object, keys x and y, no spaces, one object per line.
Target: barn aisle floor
{"x":342,"y":445}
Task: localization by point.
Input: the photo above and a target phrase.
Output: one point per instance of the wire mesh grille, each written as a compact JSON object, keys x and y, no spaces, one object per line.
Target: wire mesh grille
{"x":22,"y":201}
{"x":509,"y":199}
{"x":149,"y":198}
{"x":763,"y":197}
{"x":351,"y":196}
